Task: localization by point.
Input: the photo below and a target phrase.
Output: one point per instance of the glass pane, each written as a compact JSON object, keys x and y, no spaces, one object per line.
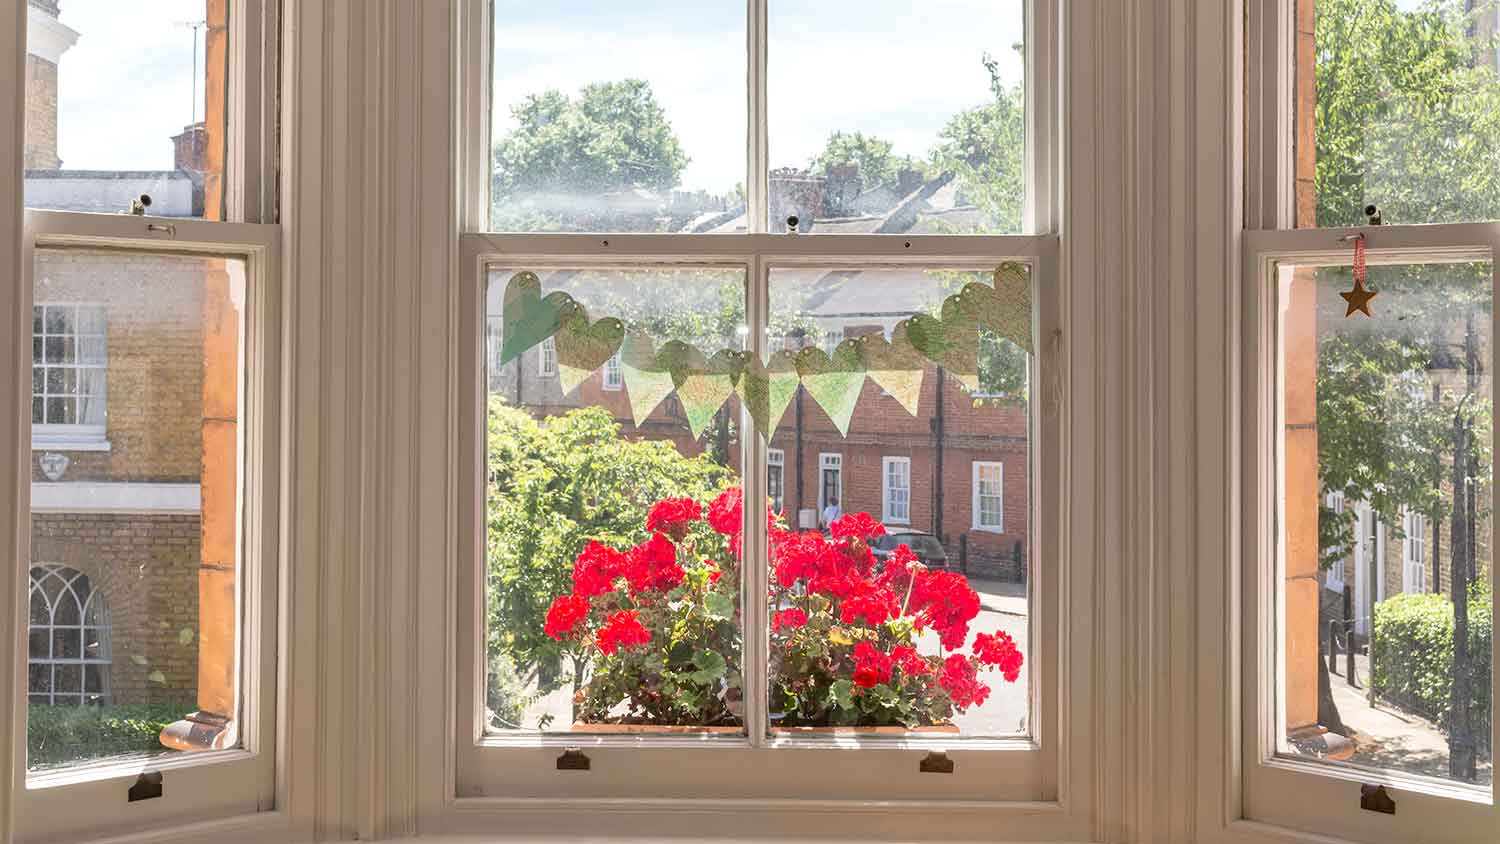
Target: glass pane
{"x":1386,"y":650}
{"x":862,"y":140}
{"x":928,"y":633}
{"x":622,"y":117}
{"x":39,"y":678}
{"x":141,"y":581}
{"x":1396,"y":106}
{"x":613,"y":516}
{"x":125,"y":100}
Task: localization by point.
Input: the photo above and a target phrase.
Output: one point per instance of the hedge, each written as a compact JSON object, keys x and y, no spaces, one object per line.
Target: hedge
{"x":1411,"y":656}
{"x":61,"y":734}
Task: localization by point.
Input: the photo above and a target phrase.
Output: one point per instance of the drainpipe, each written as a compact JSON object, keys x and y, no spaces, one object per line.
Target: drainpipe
{"x":937,"y":470}
{"x":798,"y":429}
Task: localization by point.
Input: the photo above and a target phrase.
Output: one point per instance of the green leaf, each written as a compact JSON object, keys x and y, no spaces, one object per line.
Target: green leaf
{"x":711,"y":667}
{"x":719,"y":605}
{"x":842,"y":694}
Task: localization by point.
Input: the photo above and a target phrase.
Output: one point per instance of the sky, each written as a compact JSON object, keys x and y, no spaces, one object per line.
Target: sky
{"x":865,"y":65}
{"x":126,"y":87}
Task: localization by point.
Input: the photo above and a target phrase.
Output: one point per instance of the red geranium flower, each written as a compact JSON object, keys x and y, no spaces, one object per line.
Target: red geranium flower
{"x":565,"y":614}
{"x":653,"y":565}
{"x":724,"y":512}
{"x":999,"y":651}
{"x":622,"y":630}
{"x":790,"y":619}
{"x":596,"y":568}
{"x":875,"y":603}
{"x":912,"y":663}
{"x":961,"y":681}
{"x":714,"y":572}
{"x":672,"y":516}
{"x":861,"y":526}
{"x":943,"y":601}
{"x":871,"y":667}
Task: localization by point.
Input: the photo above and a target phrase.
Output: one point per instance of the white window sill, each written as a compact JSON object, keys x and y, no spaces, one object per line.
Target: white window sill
{"x":64,"y":445}
{"x":995,"y":530}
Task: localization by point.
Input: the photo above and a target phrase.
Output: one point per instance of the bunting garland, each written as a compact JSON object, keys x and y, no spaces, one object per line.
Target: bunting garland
{"x":703,"y":383}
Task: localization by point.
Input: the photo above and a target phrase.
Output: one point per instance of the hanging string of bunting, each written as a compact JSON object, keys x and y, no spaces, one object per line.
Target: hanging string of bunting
{"x":704,"y":382}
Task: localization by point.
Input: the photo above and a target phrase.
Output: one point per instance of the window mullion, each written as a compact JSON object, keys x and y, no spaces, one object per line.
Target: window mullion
{"x":756,"y":612}
{"x":756,"y":199}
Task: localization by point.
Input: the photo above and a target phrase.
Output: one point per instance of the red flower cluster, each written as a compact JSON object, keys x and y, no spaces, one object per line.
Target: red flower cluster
{"x":912,"y":664}
{"x":787,"y":620}
{"x":960,"y":679}
{"x":595,"y":570}
{"x":622,"y":630}
{"x":564,"y":615}
{"x":999,"y":651}
{"x":871,"y":601}
{"x":672,"y":516}
{"x":724,"y":514}
{"x":861,"y":526}
{"x":871,"y":667}
{"x":943,"y":601}
{"x":653,"y":565}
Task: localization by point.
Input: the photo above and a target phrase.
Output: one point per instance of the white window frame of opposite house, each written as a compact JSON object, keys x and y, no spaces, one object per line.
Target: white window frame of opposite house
{"x":887,"y":511}
{"x":830,"y":462}
{"x":74,"y":436}
{"x":495,"y":774}
{"x":1413,"y":553}
{"x":238,"y":786}
{"x":612,"y":378}
{"x":1281,"y":790}
{"x":777,"y":457}
{"x":977,"y":496}
{"x":1334,"y":578}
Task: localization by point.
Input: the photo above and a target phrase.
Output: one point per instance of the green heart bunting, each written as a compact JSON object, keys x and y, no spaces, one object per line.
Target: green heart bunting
{"x":896,"y":366}
{"x":583,"y":347}
{"x":646,"y":380}
{"x":1005,"y":308}
{"x":703,"y":384}
{"x":767,"y":390}
{"x":528,"y":318}
{"x":834,"y":383}
{"x":951,"y":342}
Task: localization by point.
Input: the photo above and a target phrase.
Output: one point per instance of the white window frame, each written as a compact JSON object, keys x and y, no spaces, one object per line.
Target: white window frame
{"x":234,"y":787}
{"x":1334,"y":578}
{"x":1413,"y":553}
{"x":76,"y":436}
{"x":506,"y":771}
{"x":546,"y":359}
{"x":887,"y":510}
{"x":975,"y":496}
{"x":613,"y":377}
{"x":776,"y":457}
{"x":1280,"y":790}
{"x":93,"y":599}
{"x":829,"y":462}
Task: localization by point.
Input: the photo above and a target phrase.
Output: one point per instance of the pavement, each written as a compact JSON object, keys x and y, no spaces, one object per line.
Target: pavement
{"x":1388,"y":737}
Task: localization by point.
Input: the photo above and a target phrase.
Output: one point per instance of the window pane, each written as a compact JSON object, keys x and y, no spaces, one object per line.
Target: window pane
{"x":921,"y":633}
{"x":1365,"y":455}
{"x":1396,"y":107}
{"x":613,"y":534}
{"x":862,"y":140}
{"x":135,"y":556}
{"x":618,"y":117}
{"x":125,"y":99}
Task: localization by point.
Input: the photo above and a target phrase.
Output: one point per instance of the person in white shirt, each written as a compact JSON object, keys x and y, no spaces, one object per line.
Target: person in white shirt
{"x":831,"y":514}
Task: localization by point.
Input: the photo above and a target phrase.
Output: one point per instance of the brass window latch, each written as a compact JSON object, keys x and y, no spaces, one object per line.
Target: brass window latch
{"x":573,"y":759}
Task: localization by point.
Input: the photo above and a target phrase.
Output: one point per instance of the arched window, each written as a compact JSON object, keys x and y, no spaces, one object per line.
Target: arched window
{"x":68,"y":651}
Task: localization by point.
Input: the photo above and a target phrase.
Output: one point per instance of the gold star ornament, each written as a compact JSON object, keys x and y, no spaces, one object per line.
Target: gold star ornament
{"x":1358,"y":298}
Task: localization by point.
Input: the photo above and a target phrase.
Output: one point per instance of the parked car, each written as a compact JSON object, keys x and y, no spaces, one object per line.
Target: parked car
{"x":928,"y":549}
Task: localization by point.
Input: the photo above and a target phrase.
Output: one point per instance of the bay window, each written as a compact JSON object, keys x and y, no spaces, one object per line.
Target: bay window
{"x":751,"y":295}
{"x":1370,"y":277}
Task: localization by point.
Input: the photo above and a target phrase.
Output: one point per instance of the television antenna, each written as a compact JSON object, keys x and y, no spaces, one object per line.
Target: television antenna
{"x":193,"y":82}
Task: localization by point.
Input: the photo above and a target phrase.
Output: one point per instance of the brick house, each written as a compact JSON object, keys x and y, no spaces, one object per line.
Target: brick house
{"x":128,"y":355}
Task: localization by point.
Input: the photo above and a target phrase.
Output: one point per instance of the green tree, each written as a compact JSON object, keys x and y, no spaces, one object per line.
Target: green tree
{"x":985,"y":149}
{"x":554,"y":485}
{"x":877,"y":165}
{"x":1408,"y":119}
{"x":565,"y":154}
